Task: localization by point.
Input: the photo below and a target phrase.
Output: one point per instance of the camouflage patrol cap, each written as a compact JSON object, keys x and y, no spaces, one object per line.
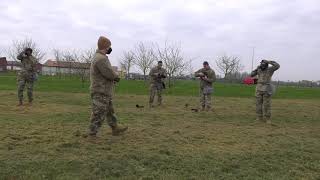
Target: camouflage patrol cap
{"x":103,"y":43}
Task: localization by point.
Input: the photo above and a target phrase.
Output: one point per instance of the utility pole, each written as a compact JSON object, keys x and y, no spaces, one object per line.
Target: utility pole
{"x":252,"y":58}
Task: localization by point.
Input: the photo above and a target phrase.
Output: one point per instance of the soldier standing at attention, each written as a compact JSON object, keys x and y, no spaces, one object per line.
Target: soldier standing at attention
{"x":207,"y":77}
{"x":27,"y":74}
{"x":157,"y":74}
{"x":264,"y":89}
{"x":102,"y":79}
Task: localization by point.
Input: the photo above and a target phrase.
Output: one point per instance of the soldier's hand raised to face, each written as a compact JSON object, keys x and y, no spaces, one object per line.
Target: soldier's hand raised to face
{"x":117,"y":79}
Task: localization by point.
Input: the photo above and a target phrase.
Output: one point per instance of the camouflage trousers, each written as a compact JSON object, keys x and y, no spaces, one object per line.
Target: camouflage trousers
{"x":263,"y":104}
{"x":205,"y":99}
{"x":22,"y":82}
{"x":102,"y":109}
{"x":155,"y":89}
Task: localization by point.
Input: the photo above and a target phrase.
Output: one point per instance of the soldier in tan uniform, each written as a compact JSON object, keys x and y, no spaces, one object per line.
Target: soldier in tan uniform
{"x":157,"y":74}
{"x":264,"y":88}
{"x":207,"y":77}
{"x":102,"y":78}
{"x":27,"y":74}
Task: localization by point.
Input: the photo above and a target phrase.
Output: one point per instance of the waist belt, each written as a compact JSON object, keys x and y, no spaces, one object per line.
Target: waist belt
{"x":264,"y":83}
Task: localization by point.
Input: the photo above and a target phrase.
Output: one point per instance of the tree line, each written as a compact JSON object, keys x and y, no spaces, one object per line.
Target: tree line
{"x":142,"y":56}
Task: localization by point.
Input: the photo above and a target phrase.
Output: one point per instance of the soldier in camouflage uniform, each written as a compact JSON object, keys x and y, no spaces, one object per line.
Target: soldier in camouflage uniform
{"x":157,"y":74}
{"x":27,"y":74}
{"x":102,"y":78}
{"x":207,"y":77}
{"x":264,"y":88}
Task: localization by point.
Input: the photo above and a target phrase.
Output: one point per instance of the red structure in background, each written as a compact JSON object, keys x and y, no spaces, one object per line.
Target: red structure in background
{"x":249,"y":81}
{"x":3,"y":64}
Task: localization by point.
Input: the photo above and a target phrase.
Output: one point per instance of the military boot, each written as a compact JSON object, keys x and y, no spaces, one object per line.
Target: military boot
{"x":118,"y":130}
{"x":259,"y":119}
{"x":208,"y":109}
{"x":268,"y":120}
{"x":30,"y":103}
{"x":20,"y":103}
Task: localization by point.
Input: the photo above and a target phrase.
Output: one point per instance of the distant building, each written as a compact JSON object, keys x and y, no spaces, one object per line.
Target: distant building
{"x":13,"y":65}
{"x":52,"y":67}
{"x":16,"y":66}
{"x":136,"y":76}
{"x":3,"y":64}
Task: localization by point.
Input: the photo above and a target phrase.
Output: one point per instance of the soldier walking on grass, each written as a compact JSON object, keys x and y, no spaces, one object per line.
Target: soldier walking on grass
{"x":157,"y":74}
{"x":207,"y":77}
{"x":27,"y":75}
{"x":102,"y":78}
{"x":264,"y":89}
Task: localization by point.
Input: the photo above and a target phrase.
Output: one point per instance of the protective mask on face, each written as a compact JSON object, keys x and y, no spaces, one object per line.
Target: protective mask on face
{"x":109,"y":50}
{"x":263,"y":66}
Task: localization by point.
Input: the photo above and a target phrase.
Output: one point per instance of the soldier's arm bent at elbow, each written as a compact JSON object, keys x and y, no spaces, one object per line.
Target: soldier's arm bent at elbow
{"x":152,"y":73}
{"x":275,"y":66}
{"x":106,"y":70}
{"x":212,"y":78}
{"x":21,"y":56}
{"x":254,"y":73}
{"x":164,"y":75}
{"x":197,"y":73}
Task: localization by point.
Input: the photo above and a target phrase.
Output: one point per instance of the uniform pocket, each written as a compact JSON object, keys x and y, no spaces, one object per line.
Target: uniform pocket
{"x":208,"y":90}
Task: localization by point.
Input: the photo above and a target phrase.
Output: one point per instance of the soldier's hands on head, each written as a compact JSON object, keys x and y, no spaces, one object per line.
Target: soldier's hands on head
{"x":271,"y":61}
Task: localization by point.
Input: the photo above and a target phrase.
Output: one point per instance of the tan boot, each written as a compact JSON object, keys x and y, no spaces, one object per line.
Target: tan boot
{"x":268,"y":121}
{"x":20,"y":103}
{"x":259,"y":119}
{"x":203,"y":108}
{"x":118,"y":130}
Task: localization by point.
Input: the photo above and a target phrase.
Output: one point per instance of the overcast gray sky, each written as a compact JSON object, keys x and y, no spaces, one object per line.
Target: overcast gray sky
{"x":286,"y":31}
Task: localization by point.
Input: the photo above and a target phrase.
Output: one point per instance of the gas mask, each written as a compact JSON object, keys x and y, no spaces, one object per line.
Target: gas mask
{"x":263,"y":65}
{"x":109,"y":50}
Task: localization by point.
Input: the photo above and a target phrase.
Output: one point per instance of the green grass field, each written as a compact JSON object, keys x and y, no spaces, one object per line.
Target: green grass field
{"x":44,"y":141}
{"x":181,"y":88}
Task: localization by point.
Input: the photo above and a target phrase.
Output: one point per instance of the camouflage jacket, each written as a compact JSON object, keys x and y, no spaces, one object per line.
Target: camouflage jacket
{"x":264,"y":76}
{"x":157,"y":74}
{"x":28,"y":66}
{"x":102,"y":75}
{"x":209,"y":73}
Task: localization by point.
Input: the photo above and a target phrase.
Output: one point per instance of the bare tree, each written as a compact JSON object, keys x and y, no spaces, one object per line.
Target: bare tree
{"x":20,"y":45}
{"x":174,"y":63}
{"x":145,"y":57}
{"x":228,"y":65}
{"x":83,"y":64}
{"x":127,"y":62}
{"x":69,"y":59}
{"x":87,"y":55}
{"x":58,"y":55}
